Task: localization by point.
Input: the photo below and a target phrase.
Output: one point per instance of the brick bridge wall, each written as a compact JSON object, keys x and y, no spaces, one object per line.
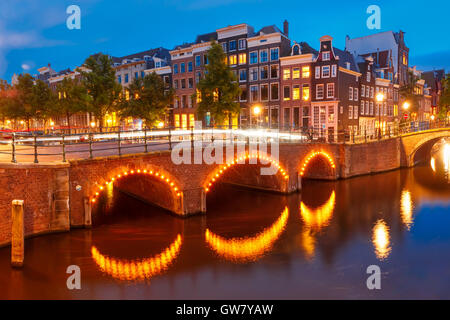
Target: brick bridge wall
{"x":47,"y":188}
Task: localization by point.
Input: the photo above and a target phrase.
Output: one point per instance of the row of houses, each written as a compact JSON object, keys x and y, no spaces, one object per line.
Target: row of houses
{"x":290,"y":83}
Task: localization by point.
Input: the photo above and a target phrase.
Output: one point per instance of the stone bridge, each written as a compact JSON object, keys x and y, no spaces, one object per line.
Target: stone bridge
{"x":60,"y":196}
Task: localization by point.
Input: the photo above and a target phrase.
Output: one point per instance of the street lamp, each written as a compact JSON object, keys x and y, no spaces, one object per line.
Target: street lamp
{"x":380,"y":98}
{"x":256,"y":112}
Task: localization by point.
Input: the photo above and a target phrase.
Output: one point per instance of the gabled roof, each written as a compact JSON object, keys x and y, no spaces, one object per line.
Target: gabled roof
{"x":433,"y":77}
{"x":344,"y":57}
{"x":159,"y":52}
{"x":206,"y":37}
{"x":268,"y":30}
{"x":306,"y":48}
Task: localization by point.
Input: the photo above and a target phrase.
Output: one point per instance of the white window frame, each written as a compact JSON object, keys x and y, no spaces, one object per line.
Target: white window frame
{"x":329,"y":71}
{"x":333,"y":70}
{"x":249,"y":57}
{"x":317,"y":72}
{"x":326,"y":56}
{"x":331,"y":85}
{"x":350,"y":112}
{"x":317,"y":91}
{"x":350,"y":93}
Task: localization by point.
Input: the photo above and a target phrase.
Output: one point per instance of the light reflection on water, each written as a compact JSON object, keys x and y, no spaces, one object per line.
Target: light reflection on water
{"x":316,"y":244}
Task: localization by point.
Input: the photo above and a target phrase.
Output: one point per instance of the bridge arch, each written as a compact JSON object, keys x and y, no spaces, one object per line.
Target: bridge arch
{"x":417,"y":146}
{"x":277,"y":182}
{"x":148,"y":176}
{"x":325,"y":168}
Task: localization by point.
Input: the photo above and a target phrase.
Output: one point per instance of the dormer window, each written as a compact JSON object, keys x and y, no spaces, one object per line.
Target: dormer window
{"x":347,"y":65}
{"x":326,"y":56}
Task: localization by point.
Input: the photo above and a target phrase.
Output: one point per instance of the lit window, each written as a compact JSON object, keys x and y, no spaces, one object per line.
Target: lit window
{"x":296,"y":92}
{"x":191,"y":120}
{"x":242,"y":58}
{"x":233,"y":59}
{"x":305,"y":72}
{"x":296,"y":73}
{"x":177,"y":120}
{"x":305,"y":92}
{"x":286,"y":74}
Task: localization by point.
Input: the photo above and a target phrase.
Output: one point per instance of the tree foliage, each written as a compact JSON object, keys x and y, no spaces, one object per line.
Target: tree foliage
{"x":72,"y":98}
{"x":101,"y":85}
{"x":219,"y":89}
{"x":444,"y":102}
{"x":148,"y":100}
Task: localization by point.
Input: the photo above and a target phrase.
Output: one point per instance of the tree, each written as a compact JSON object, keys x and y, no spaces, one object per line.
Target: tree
{"x":444,"y":101}
{"x":408,"y":93}
{"x":100,"y":82}
{"x":148,"y":99}
{"x":219,"y":89}
{"x":42,"y":101}
{"x":72,"y":98}
{"x":23,"y":105}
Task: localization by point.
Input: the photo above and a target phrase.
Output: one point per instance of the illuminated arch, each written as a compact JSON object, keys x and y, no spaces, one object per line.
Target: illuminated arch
{"x":314,"y":154}
{"x":140,"y":269}
{"x":214,"y":176}
{"x":321,"y":216}
{"x":249,"y":248}
{"x":158,"y":174}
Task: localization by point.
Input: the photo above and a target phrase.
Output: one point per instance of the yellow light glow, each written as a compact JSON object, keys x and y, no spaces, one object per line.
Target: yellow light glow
{"x":380,"y":97}
{"x":257,"y":110}
{"x":138,"y":171}
{"x":381,"y":240}
{"x":406,"y":209}
{"x":433,"y":164}
{"x":249,"y":248}
{"x":406,"y":105}
{"x":139,"y":269}
{"x":319,"y":217}
{"x":313,"y":155}
{"x":161,"y":124}
{"x":221,"y":170}
{"x":92,"y":124}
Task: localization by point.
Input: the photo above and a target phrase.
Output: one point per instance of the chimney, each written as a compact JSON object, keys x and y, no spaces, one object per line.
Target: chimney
{"x":286,"y":28}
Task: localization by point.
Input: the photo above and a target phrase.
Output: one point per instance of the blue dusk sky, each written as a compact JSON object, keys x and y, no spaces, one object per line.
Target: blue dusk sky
{"x":34,"y":33}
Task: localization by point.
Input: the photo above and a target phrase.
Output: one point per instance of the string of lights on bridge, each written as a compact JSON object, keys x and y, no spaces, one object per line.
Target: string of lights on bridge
{"x":125,"y":173}
{"x":241,"y":160}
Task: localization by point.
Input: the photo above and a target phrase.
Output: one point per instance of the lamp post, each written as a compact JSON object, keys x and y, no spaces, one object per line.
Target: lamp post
{"x":256,"y":112}
{"x":380,"y":98}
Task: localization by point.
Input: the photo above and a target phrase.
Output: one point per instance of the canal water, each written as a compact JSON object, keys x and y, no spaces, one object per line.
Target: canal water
{"x":253,"y":245}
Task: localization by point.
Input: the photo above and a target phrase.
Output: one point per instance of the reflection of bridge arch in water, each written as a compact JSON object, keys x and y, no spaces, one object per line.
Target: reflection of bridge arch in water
{"x":319,"y":217}
{"x":249,"y":248}
{"x":315,"y":219}
{"x":139,"y":269}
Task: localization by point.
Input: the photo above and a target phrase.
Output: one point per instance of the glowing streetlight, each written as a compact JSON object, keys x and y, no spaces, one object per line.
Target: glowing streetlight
{"x":432,"y":117}
{"x":161,"y":124}
{"x":92,"y":124}
{"x":256,"y":110}
{"x":406,"y":105}
{"x":380,"y":98}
